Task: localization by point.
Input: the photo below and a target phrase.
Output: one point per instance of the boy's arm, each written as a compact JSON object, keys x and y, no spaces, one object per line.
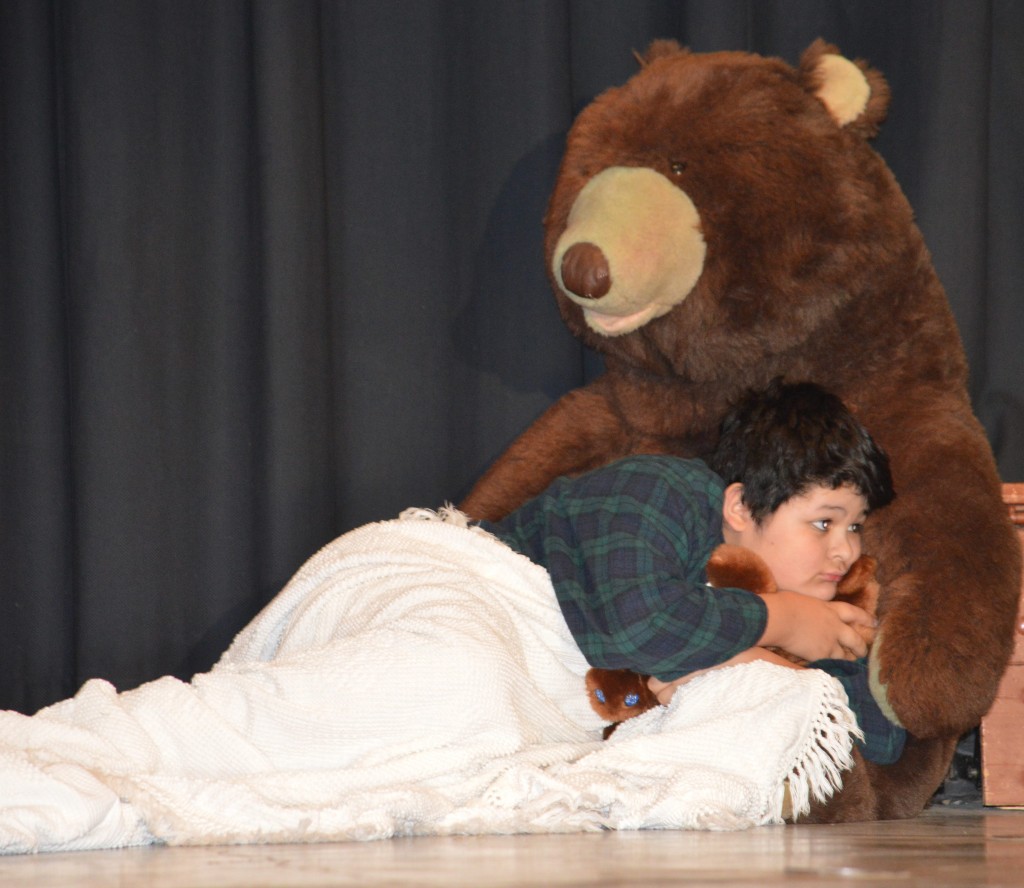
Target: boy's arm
{"x":663,"y":625}
{"x":626,"y":547}
{"x":671,"y":628}
{"x":812,"y":629}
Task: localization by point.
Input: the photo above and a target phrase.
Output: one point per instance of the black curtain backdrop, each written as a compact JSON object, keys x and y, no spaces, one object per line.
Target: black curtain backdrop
{"x":271,"y":270}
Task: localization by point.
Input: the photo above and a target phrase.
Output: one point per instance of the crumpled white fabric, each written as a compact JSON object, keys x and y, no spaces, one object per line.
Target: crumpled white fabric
{"x":414,"y":678}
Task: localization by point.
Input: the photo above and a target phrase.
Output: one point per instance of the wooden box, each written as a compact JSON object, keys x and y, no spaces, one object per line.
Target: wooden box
{"x":1002,"y":729}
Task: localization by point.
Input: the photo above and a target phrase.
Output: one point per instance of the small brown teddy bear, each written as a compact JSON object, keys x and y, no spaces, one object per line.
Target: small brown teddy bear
{"x":618,"y":694}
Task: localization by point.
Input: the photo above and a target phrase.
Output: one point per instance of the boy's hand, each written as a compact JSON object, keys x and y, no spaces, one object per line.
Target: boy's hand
{"x":813,"y":629}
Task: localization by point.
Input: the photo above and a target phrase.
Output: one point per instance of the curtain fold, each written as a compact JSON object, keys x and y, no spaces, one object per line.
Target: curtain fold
{"x":272,"y":270}
{"x":37,"y":605}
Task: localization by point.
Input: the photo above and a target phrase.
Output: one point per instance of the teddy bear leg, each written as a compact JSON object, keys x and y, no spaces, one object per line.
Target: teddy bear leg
{"x":906,"y":788}
{"x":888,"y":792}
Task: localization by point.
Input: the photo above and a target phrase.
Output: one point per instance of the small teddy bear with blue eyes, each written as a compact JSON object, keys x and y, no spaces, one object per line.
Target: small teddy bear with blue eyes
{"x":618,"y":694}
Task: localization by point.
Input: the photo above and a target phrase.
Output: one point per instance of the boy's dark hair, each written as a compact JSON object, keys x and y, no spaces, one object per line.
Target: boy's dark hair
{"x":782,"y":440}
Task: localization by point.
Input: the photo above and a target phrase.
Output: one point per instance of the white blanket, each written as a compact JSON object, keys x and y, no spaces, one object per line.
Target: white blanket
{"x":415,"y":677}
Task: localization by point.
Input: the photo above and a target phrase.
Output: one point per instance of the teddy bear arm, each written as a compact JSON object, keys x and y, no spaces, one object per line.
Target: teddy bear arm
{"x":947,"y":623}
{"x":578,"y":432}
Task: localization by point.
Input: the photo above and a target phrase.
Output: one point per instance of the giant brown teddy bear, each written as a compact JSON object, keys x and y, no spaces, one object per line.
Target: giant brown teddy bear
{"x":721,"y":220}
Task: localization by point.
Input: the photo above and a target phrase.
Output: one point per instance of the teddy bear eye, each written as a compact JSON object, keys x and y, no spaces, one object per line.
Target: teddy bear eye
{"x":678,"y":167}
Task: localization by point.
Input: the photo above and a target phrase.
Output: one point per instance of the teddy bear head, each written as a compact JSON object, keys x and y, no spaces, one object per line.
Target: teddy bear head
{"x":720,"y":208}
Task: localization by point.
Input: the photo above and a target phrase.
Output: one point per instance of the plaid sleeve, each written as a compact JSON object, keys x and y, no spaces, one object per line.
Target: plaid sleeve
{"x":626,"y":547}
{"x":883,"y":741}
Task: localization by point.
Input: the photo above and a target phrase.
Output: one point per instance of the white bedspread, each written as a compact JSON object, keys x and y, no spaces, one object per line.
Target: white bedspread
{"x":414,"y":677}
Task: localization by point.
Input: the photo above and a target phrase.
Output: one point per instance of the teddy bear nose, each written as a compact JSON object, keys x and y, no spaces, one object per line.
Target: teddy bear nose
{"x":585,"y":271}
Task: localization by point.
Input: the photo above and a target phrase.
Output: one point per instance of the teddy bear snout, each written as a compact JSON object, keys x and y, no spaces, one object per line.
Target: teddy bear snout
{"x":585,"y":271}
{"x":631,"y":249}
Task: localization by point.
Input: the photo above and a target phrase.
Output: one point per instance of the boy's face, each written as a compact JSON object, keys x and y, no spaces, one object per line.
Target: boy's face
{"x":808,"y":543}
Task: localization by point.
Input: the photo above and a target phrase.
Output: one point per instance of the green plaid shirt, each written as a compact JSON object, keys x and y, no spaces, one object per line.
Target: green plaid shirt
{"x":626,"y":547}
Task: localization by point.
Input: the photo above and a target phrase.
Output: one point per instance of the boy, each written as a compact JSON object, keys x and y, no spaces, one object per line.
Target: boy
{"x":626,"y":546}
{"x":344,"y":702}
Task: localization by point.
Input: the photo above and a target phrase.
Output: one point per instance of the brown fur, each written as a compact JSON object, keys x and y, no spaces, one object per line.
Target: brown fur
{"x":814,"y":270}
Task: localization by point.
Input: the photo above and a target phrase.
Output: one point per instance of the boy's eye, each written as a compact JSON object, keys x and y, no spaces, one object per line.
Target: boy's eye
{"x":822,"y":523}
{"x":856,"y":528}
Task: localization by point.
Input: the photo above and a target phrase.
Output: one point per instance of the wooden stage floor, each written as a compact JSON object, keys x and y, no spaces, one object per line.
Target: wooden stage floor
{"x":945,"y":846}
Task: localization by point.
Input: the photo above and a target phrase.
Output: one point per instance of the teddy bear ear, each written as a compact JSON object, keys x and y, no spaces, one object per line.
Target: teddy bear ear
{"x":659,"y":49}
{"x":856,"y":96}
